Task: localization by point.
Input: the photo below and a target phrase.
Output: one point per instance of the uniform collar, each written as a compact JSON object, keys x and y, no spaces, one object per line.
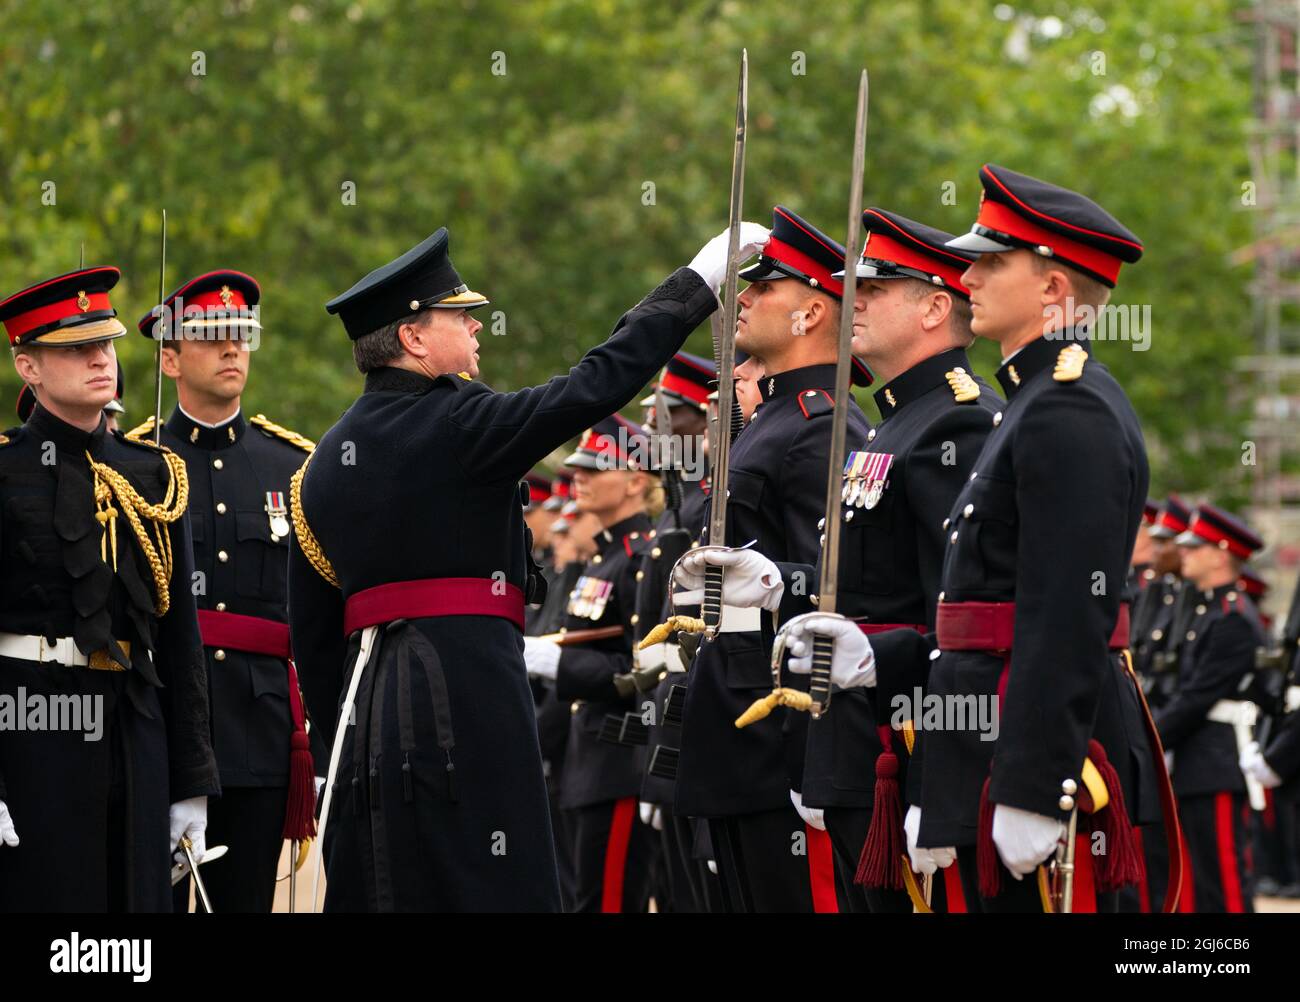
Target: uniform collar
{"x":1036,"y":356}
{"x":919,"y":380}
{"x":68,"y":439}
{"x":638,"y":523}
{"x":210,"y":438}
{"x":391,"y":380}
{"x":792,"y":381}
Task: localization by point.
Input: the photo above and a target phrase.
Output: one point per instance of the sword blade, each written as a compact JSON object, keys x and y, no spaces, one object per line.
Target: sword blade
{"x":828,"y":584}
{"x":162,"y":296}
{"x":725,"y":343}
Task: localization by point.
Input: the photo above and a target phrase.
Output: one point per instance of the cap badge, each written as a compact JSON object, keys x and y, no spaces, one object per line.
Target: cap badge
{"x":226,"y":296}
{"x":83,"y":301}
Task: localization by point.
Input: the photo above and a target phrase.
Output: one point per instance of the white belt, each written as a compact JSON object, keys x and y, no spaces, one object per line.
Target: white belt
{"x":1292,"y":701}
{"x":1238,"y":712}
{"x":738,"y":620}
{"x":27,"y":648}
{"x":662,"y":655}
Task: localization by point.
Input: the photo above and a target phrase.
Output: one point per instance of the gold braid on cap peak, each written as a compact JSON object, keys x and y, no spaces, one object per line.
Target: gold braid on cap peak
{"x":307,"y":542}
{"x":110,"y":486}
{"x":279,"y":431}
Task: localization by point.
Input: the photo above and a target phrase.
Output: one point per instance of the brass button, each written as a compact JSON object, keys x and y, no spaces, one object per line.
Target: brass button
{"x":1191,"y":634}
{"x":219,"y":654}
{"x":221,"y":607}
{"x":640,"y":575}
{"x":223,"y":556}
{"x":636,"y":535}
{"x":635,"y":619}
{"x":1200,"y":610}
{"x":947,"y":522}
{"x":821,"y":523}
{"x":871,"y":435}
{"x":940,"y":596}
{"x":848,"y":515}
{"x":997,"y":419}
{"x":217,"y":464}
{"x":1157,"y":634}
{"x":953,"y":537}
{"x":1070,"y":787}
{"x":656,"y":553}
{"x":1169,"y":600}
{"x":221,"y":507}
{"x":597,"y":559}
{"x":934,"y":654}
{"x":1066,"y":803}
{"x":973,"y":475}
{"x":968,"y":511}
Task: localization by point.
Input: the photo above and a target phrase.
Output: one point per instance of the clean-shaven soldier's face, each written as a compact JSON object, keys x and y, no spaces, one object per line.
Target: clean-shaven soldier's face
{"x":214,"y":371}
{"x":1005,"y":294}
{"x":75,"y":377}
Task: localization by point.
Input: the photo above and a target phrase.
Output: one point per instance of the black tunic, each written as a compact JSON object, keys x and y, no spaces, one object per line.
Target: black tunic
{"x":1046,"y":520}
{"x":92,"y":816}
{"x":776,"y":492}
{"x":420,"y":479}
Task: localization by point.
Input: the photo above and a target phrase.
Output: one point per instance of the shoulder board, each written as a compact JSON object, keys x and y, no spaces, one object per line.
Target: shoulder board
{"x":1231,"y":602}
{"x":130,"y":438}
{"x":137,"y":433}
{"x":4,"y":440}
{"x":964,"y":388}
{"x":274,"y":430}
{"x":1069,"y":364}
{"x":814,"y":402}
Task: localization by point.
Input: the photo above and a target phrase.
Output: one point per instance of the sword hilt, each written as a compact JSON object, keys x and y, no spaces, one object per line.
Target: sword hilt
{"x":820,"y":686}
{"x":711,"y":609}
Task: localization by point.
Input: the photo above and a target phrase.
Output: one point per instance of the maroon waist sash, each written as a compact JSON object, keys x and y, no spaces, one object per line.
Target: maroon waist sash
{"x":433,"y":597}
{"x":251,"y":634}
{"x":990,"y":626}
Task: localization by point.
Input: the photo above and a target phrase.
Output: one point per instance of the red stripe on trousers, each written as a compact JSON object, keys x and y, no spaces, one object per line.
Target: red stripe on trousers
{"x":821,"y":871}
{"x":1144,"y":892}
{"x":1085,"y":886}
{"x":952,"y":886}
{"x":1227,"y":845}
{"x":1187,"y":893}
{"x":620,"y":834}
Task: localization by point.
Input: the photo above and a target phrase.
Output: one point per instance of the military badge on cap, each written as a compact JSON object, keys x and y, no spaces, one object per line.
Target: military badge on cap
{"x":69,"y":310}
{"x":422,"y":278}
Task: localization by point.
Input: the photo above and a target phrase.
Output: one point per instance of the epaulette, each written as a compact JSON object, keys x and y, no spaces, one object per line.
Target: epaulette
{"x":269,"y":427}
{"x":814,"y":402}
{"x":1069,"y":364}
{"x":964,"y":388}
{"x":307,"y":542}
{"x":137,"y":433}
{"x":4,"y":440}
{"x":638,"y":546}
{"x":1231,"y":602}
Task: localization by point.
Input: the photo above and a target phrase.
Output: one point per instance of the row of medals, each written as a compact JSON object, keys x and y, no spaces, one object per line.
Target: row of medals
{"x":865,"y":477}
{"x":589,"y":596}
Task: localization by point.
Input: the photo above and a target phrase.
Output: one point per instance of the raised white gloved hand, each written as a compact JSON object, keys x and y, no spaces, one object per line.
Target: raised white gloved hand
{"x":1253,"y":765}
{"x":8,"y":833}
{"x":811,"y":815}
{"x":853,"y":665}
{"x":924,"y":861}
{"x":541,"y":657}
{"x":711,"y":262}
{"x":750,"y":580}
{"x":1024,"y":839}
{"x":189,"y":817}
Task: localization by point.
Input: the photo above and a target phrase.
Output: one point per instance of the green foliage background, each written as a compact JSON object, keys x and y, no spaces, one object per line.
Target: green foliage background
{"x":540,"y":172}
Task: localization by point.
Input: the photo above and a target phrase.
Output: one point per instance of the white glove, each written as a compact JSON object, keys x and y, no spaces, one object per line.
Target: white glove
{"x":811,"y":815}
{"x":750,"y":581}
{"x":853,"y":665}
{"x":320,"y":781}
{"x":1253,"y":765}
{"x":541,"y":657}
{"x":189,"y":817}
{"x":924,"y":861}
{"x":711,"y":262}
{"x":8,"y":833}
{"x":1024,"y":839}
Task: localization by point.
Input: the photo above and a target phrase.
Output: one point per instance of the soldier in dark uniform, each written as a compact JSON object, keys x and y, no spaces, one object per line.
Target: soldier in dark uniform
{"x":1206,"y":725}
{"x":912,"y":328}
{"x":684,"y":387}
{"x":239,"y":471}
{"x":97,"y":624}
{"x":612,"y":849}
{"x":409,"y":537}
{"x":1160,"y":616}
{"x":1029,"y":621}
{"x":112,"y":410}
{"x":769,"y":858}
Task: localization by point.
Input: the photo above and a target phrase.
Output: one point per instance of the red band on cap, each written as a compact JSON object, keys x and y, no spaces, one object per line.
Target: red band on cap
{"x":17,"y":326}
{"x":800,"y":261}
{"x":1004,"y":219}
{"x":537,"y":494}
{"x":1171,"y":522}
{"x":602,"y":445}
{"x":885,"y":248}
{"x":211,"y":300}
{"x":1212,"y":534}
{"x":684,"y":388}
